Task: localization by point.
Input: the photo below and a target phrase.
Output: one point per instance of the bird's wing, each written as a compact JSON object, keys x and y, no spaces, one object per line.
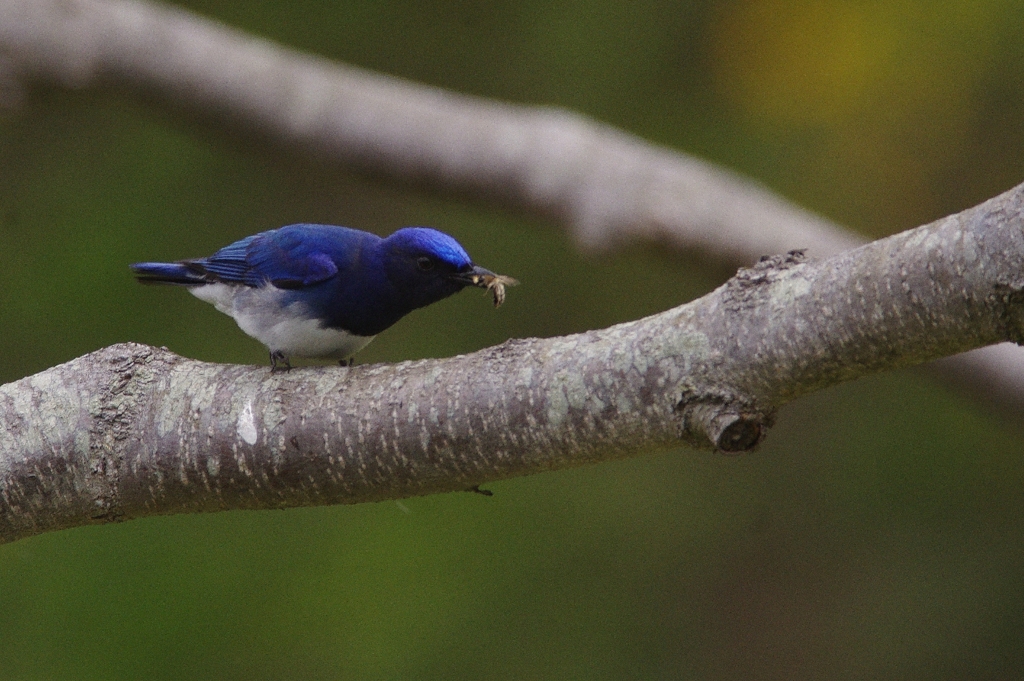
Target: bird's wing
{"x":286,"y":258}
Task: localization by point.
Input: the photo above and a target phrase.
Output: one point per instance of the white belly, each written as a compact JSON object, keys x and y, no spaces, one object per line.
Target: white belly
{"x":287,"y":330}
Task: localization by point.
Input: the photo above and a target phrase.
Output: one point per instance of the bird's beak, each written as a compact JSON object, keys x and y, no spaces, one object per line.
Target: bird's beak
{"x":495,"y":283}
{"x":477,"y":276}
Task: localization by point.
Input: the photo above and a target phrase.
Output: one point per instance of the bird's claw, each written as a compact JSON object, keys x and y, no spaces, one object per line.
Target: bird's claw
{"x":278,"y":358}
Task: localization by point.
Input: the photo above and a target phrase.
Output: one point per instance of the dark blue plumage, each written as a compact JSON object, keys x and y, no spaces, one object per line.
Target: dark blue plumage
{"x":325,"y":291}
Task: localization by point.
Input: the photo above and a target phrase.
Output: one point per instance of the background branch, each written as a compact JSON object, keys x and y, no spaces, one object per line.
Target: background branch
{"x":605,"y":184}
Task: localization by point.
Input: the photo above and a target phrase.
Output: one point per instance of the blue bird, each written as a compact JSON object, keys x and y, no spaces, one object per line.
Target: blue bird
{"x":323,"y":291}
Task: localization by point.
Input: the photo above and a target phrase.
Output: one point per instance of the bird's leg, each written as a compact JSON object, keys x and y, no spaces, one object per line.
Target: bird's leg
{"x":346,"y":362}
{"x":276,"y":356}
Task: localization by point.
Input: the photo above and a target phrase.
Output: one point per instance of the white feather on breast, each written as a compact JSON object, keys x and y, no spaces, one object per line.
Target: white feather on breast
{"x":287,"y":329}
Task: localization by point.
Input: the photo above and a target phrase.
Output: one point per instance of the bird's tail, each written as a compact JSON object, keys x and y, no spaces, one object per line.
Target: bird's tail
{"x":167,"y":273}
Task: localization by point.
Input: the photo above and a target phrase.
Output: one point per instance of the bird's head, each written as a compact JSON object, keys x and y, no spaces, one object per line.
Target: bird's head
{"x":425,"y":265}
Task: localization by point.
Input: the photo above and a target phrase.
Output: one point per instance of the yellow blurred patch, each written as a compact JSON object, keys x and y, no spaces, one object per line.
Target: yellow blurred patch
{"x":801,"y":61}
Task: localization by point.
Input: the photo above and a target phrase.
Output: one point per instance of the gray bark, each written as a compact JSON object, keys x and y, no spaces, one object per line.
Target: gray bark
{"x":131,"y":430}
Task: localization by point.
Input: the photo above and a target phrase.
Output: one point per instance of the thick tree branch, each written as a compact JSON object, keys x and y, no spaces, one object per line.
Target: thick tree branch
{"x":131,"y":430}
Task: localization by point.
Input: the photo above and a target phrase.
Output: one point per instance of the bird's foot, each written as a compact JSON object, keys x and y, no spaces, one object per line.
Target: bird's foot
{"x":347,"y":362}
{"x":277,"y":359}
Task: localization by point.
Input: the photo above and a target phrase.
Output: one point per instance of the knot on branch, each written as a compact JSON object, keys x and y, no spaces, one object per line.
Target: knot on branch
{"x":724,"y":423}
{"x":750,"y":284}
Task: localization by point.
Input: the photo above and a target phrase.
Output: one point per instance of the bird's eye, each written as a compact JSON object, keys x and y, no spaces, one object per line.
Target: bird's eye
{"x":425,"y":264}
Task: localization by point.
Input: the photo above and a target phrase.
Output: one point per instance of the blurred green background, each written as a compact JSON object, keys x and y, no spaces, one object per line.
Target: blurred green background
{"x":877,"y":534}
